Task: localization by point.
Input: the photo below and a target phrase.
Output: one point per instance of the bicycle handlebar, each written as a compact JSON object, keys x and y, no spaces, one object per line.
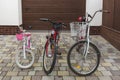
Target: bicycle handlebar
{"x":53,"y":22}
{"x":44,"y":19}
{"x":105,"y":11}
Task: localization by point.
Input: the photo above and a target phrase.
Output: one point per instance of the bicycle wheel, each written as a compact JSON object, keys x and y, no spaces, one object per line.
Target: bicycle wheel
{"x":77,"y":62}
{"x":21,"y":61}
{"x":49,"y":62}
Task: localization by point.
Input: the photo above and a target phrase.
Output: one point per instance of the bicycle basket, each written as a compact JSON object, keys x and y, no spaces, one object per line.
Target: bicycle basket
{"x":78,"y":29}
{"x":19,"y":37}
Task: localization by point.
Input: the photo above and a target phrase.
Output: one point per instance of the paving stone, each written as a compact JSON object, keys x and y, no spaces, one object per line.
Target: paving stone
{"x":80,"y":78}
{"x":106,"y":64}
{"x":36,"y":77}
{"x":63,"y":68}
{"x":3,"y":73}
{"x":98,"y":73}
{"x":1,"y":77}
{"x":47,"y":78}
{"x":2,"y":64}
{"x":27,"y":77}
{"x":56,"y":68}
{"x":106,"y":73}
{"x":38,"y":68}
{"x":115,"y":72}
{"x":22,"y":73}
{"x":109,"y":60}
{"x":117,"y":60}
{"x":114,"y":68}
{"x":101,"y":68}
{"x":7,"y":69}
{"x":10,"y":64}
{"x":68,"y":78}
{"x":62,"y":73}
{"x":92,"y":78}
{"x":7,"y":78}
{"x":36,"y":64}
{"x":64,"y":64}
{"x":53,"y":73}
{"x":62,"y":61}
{"x":41,"y":73}
{"x":115,"y":77}
{"x":105,"y":78}
{"x":0,"y":68}
{"x":58,"y":78}
{"x":12,"y":74}
{"x":31,"y":73}
{"x":17,"y":78}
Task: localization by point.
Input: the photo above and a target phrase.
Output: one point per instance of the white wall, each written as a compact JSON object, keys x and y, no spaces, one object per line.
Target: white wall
{"x":91,"y":7}
{"x":10,"y":12}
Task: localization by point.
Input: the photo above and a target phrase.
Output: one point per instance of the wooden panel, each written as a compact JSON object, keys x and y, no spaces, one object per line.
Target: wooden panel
{"x":117,"y":15}
{"x":113,"y":36}
{"x":58,"y":10}
{"x":108,"y":17}
{"x":95,"y":30}
{"x":111,"y":22}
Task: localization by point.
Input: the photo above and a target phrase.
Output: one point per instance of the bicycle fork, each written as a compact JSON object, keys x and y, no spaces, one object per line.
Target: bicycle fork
{"x":86,"y":47}
{"x":24,"y":43}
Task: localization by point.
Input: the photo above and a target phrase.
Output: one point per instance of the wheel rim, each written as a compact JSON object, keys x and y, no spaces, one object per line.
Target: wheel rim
{"x":48,"y":61}
{"x":25,"y":62}
{"x":78,"y":62}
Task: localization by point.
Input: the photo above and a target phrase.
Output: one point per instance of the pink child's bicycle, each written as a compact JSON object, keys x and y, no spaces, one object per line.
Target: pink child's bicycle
{"x":24,"y":57}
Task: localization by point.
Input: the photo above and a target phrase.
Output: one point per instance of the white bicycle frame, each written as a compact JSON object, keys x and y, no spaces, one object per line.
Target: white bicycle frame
{"x":86,"y":47}
{"x":24,"y":47}
{"x":26,"y":41}
{"x":88,"y":30}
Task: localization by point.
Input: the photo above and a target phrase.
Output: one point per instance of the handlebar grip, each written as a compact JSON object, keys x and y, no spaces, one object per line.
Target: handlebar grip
{"x":44,"y":19}
{"x":106,"y":11}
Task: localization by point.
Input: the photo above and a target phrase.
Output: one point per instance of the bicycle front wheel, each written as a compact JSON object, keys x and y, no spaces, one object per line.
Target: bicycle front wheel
{"x":49,"y":57}
{"x":24,"y":62}
{"x":80,"y":64}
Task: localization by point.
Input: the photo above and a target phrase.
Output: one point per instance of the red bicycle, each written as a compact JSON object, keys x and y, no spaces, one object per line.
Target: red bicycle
{"x":51,"y":45}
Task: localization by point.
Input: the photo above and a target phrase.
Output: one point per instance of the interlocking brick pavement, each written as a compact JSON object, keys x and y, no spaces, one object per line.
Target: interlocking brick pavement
{"x":109,"y":68}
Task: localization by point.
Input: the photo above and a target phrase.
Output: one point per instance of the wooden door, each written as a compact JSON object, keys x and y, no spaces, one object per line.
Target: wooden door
{"x":58,"y":10}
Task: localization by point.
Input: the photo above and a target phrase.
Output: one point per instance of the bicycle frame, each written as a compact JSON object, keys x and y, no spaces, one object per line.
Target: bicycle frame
{"x":26,"y":44}
{"x":25,"y":37}
{"x":88,"y":29}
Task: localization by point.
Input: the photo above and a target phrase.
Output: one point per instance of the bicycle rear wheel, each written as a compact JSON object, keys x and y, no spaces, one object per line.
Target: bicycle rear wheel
{"x":49,"y":61}
{"x":24,"y":62}
{"x":77,"y":62}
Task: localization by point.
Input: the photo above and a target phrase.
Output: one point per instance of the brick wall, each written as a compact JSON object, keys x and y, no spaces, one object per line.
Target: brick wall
{"x":8,"y":30}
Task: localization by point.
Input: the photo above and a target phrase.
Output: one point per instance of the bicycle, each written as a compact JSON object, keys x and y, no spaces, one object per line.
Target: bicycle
{"x":83,"y":57}
{"x":51,"y":45}
{"x":24,"y":57}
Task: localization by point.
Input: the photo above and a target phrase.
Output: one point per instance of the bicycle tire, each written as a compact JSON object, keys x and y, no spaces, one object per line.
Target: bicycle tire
{"x":97,"y":55}
{"x":48,"y":71}
{"x":28,"y":52}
